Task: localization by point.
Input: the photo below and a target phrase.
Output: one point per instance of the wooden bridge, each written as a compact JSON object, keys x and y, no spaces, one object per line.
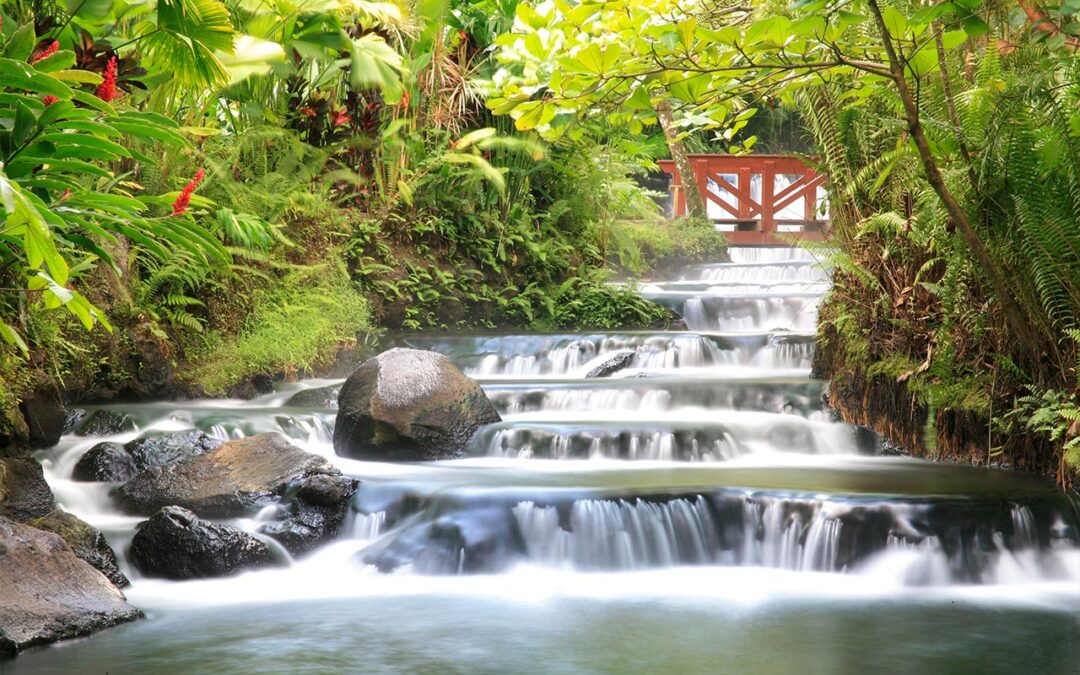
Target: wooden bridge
{"x":753,"y":198}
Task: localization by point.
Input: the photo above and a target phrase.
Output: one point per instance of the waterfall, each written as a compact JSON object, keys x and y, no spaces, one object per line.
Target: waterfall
{"x":619,"y":535}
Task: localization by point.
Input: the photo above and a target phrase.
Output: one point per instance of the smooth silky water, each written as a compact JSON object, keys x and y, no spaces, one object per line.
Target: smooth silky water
{"x":698,"y":511}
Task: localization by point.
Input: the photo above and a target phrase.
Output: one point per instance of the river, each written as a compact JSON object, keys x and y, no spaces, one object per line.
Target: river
{"x":699,"y":511}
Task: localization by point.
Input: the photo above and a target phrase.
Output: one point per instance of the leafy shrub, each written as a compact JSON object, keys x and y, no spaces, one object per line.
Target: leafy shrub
{"x":645,"y":247}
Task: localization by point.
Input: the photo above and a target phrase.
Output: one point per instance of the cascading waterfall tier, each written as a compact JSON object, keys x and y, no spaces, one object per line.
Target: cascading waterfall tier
{"x":680,"y":440}
{"x":654,"y":396}
{"x":938,"y":541}
{"x":572,"y":356}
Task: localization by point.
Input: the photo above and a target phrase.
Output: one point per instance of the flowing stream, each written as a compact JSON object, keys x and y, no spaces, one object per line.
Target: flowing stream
{"x":697,"y":511}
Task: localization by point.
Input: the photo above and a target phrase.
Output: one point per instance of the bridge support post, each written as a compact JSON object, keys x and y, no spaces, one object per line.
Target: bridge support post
{"x":768,"y":188}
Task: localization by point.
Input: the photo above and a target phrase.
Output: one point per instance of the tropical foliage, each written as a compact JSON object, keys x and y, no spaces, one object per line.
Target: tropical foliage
{"x":169,"y":164}
{"x":454,"y":163}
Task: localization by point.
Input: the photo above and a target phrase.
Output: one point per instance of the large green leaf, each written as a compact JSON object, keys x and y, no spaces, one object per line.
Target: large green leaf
{"x":375,"y":63}
{"x":184,"y":42}
{"x":251,"y":56}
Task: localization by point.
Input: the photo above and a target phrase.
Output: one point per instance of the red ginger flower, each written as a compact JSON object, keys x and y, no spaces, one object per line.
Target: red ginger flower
{"x":106,"y":91}
{"x":49,"y":100}
{"x":45,"y":53}
{"x":180,"y":206}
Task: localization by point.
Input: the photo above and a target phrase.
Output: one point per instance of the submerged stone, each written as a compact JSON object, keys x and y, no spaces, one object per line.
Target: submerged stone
{"x":408,"y":404}
{"x":481,"y":540}
{"x":613,"y":364}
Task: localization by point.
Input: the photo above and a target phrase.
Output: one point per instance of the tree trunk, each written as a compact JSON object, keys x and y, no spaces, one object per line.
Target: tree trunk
{"x":695,"y":205}
{"x":1014,"y":315}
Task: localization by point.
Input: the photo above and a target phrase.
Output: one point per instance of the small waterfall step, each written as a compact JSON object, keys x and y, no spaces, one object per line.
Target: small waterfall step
{"x":1016,"y":528}
{"x":572,"y":354}
{"x":685,"y":437}
{"x":650,"y":395}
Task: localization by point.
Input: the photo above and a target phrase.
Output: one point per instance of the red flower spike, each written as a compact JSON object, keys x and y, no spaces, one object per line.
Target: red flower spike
{"x":180,"y":206}
{"x":45,"y":53}
{"x":106,"y":91}
{"x":49,"y":100}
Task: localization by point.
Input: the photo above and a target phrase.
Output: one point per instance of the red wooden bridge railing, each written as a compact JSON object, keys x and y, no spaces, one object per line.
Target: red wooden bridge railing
{"x":754,"y":197}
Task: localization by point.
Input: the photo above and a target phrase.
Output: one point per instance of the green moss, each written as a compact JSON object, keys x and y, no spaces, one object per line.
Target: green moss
{"x":893,"y":365}
{"x":296,"y":325}
{"x":645,"y":247}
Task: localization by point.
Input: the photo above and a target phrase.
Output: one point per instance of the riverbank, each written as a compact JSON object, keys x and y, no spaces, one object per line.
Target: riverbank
{"x":884,"y":372}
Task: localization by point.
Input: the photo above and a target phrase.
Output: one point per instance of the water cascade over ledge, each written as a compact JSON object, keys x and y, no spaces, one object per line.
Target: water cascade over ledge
{"x":695,"y":506}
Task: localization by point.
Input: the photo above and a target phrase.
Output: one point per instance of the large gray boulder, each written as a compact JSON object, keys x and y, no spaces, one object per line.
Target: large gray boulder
{"x":177,"y":544}
{"x":408,"y":404}
{"x":50,"y":594}
{"x":231,"y":480}
{"x":86,"y":542}
{"x":24,"y":494}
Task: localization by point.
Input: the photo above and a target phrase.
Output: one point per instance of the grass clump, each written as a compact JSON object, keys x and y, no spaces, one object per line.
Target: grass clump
{"x":295,"y":326}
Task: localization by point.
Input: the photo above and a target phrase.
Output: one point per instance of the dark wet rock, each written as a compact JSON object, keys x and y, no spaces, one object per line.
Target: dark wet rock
{"x":321,"y":397}
{"x":24,"y":494}
{"x":177,"y":544}
{"x":480,"y":540}
{"x":107,"y":461}
{"x":316,"y":515}
{"x":49,"y":593}
{"x":161,"y":449}
{"x":44,"y":414}
{"x":867,"y":440}
{"x":890,"y":449}
{"x":73,"y":417}
{"x":259,"y":385}
{"x":230,"y":480}
{"x":613,"y":364}
{"x":106,"y":423}
{"x":408,"y":404}
{"x":86,"y":541}
{"x":117,"y":463}
{"x":14,"y":436}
